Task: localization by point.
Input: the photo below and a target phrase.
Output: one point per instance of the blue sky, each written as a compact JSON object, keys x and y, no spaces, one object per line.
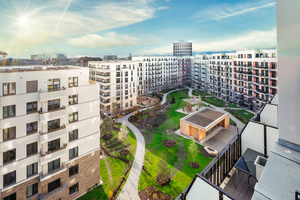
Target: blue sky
{"x":139,"y":27}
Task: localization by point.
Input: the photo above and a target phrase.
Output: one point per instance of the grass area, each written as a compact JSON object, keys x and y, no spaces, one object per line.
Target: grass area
{"x":198,"y":92}
{"x":242,"y":115}
{"x":144,"y":116}
{"x":177,"y":157}
{"x":217,"y":102}
{"x":232,"y":122}
{"x":117,"y":169}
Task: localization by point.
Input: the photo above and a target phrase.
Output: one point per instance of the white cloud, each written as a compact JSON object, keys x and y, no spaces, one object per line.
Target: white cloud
{"x":222,"y":11}
{"x":163,"y":8}
{"x":109,"y":40}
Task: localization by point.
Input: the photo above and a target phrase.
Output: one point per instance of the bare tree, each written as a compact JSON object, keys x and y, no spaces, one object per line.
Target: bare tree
{"x":123,"y":134}
{"x":175,"y":85}
{"x":199,"y":102}
{"x":193,"y":148}
{"x":183,"y":105}
{"x":114,"y":108}
{"x":106,"y":126}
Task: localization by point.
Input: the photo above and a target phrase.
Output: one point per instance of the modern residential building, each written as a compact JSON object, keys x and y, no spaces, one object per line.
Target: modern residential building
{"x":50,"y":143}
{"x":110,"y":57}
{"x":182,"y":49}
{"x":84,"y":61}
{"x":117,"y":83}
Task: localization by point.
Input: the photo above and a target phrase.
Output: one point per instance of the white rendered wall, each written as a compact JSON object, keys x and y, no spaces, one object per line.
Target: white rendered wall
{"x":253,"y":137}
{"x":202,"y":191}
{"x":269,"y":115}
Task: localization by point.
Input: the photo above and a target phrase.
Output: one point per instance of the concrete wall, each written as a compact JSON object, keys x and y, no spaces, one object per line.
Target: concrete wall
{"x":202,"y":191}
{"x":269,"y":115}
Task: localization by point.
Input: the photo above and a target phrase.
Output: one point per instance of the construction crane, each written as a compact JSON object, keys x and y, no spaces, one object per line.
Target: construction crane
{"x":4,"y":54}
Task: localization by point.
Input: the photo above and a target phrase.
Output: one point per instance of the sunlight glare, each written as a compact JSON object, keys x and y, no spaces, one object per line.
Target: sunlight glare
{"x":23,"y":20}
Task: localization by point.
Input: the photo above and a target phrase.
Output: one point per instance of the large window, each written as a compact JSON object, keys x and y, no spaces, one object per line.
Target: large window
{"x":9,"y":133}
{"x":73,"y":170}
{"x":54,"y":145}
{"x":9,"y":111}
{"x":53,"y":185}
{"x":32,"y":190}
{"x":54,"y":124}
{"x":32,"y":127}
{"x":73,"y":117}
{"x":73,"y":135}
{"x":9,"y":178}
{"x":53,"y":104}
{"x":53,"y":165}
{"x":9,"y":156}
{"x":11,"y":197}
{"x":31,"y":148}
{"x":73,"y":189}
{"x":73,"y":99}
{"x":53,"y":84}
{"x":32,"y":169}
{"x":31,"y":107}
{"x":31,"y":86}
{"x":73,"y":152}
{"x":9,"y":88}
{"x":73,"y":81}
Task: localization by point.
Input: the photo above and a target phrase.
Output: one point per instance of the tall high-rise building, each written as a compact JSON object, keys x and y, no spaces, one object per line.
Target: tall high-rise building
{"x":182,"y":49}
{"x":50,"y":143}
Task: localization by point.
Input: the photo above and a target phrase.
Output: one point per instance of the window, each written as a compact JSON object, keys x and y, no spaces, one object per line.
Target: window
{"x":118,"y":98}
{"x":32,"y":190}
{"x":73,"y":152}
{"x":31,"y":128}
{"x":11,"y":197}
{"x":126,"y":97}
{"x":118,"y":74}
{"x":126,"y":73}
{"x":9,"y":156}
{"x":73,"y":189}
{"x":118,"y":80}
{"x":54,"y":145}
{"x":31,"y":107}
{"x":53,"y":84}
{"x":73,"y":99}
{"x":53,"y":165}
{"x":73,"y":117}
{"x":131,"y":96}
{"x":9,"y":178}
{"x":31,"y":86}
{"x":53,"y":104}
{"x":9,"y":111}
{"x":53,"y":125}
{"x":9,"y":133}
{"x":130,"y":103}
{"x":126,"y":80}
{"x":73,"y":135}
{"x":53,"y":185}
{"x":31,"y":148}
{"x":131,"y":78}
{"x":73,"y":170}
{"x":126,"y":92}
{"x":73,"y":81}
{"x":32,"y":169}
{"x":9,"y":88}
{"x":126,"y":105}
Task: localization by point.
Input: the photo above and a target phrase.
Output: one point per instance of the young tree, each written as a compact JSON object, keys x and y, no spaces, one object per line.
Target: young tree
{"x":183,"y":105}
{"x":193,"y":148}
{"x":173,"y":99}
{"x":181,"y":93}
{"x":170,"y":126}
{"x":199,"y":102}
{"x":162,"y":167}
{"x":106,"y":126}
{"x":123,"y":132}
{"x":175,"y":85}
{"x":114,"y":108}
{"x":188,"y":107}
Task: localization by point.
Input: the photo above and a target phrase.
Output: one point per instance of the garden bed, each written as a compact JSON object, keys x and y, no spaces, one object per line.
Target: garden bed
{"x":151,"y":193}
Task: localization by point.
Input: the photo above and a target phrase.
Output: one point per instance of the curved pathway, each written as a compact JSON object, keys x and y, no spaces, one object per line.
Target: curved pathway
{"x":130,"y":189}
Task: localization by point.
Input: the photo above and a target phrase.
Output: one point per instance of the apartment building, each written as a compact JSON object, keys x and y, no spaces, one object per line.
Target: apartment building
{"x":247,"y":78}
{"x":158,"y":72}
{"x":117,"y":83}
{"x":182,"y":49}
{"x":50,"y":144}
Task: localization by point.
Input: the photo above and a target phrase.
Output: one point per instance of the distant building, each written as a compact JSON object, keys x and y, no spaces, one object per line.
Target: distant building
{"x":83,"y":61}
{"x":33,"y":57}
{"x":110,"y":57}
{"x":182,"y":49}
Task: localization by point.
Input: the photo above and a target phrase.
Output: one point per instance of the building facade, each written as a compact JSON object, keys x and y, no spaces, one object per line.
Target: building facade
{"x":117,"y":83}
{"x":182,"y":49}
{"x":50,"y":140}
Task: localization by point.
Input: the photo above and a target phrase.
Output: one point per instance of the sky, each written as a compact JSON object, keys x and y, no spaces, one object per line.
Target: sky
{"x":138,"y":27}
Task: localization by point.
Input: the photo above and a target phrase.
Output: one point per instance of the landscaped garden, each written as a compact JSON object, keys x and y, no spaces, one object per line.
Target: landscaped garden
{"x":218,"y":102}
{"x":198,"y":92}
{"x":113,"y":167}
{"x":169,"y":166}
{"x":242,"y":115}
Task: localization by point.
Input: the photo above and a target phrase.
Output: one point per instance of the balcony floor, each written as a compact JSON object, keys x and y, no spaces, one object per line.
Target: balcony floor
{"x":242,"y":191}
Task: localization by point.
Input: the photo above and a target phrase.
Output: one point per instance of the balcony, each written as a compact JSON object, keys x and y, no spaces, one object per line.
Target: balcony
{"x":53,"y":155}
{"x":261,"y":67}
{"x":247,"y":72}
{"x":58,"y":94}
{"x":105,"y":88}
{"x":104,"y":75}
{"x":53,"y":114}
{"x":105,"y":101}
{"x":52,"y":135}
{"x":262,"y":91}
{"x":44,"y":176}
{"x":105,"y":96}
{"x":238,"y":71}
{"x":103,"y":81}
{"x":45,"y":195}
{"x":260,"y":74}
{"x":247,"y":80}
{"x":238,"y":78}
{"x":262,"y":83}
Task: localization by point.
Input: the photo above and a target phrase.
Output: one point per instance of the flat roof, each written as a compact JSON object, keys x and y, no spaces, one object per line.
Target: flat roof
{"x":29,"y":68}
{"x":204,"y":117}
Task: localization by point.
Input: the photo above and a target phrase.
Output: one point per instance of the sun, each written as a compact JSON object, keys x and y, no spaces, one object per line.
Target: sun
{"x":23,"y":20}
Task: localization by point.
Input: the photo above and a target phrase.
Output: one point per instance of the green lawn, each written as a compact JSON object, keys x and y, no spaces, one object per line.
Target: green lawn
{"x":242,"y":115}
{"x":198,"y":92}
{"x":177,"y":157}
{"x":144,"y":116}
{"x":117,"y":169}
{"x":217,"y":102}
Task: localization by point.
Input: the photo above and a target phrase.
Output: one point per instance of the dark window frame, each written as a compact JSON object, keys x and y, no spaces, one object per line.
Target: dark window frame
{"x":8,"y":133}
{"x":52,"y":105}
{"x":9,"y":156}
{"x":32,"y":124}
{"x":34,"y":148}
{"x":73,"y":170}
{"x":34,"y":188}
{"x":33,"y":110}
{"x":8,"y":88}
{"x":74,"y":133}
{"x":73,"y":189}
{"x":73,"y":114}
{"x":53,"y":125}
{"x":53,"y":185}
{"x":73,"y":82}
{"x":9,"y":181}
{"x":53,"y":87}
{"x":52,"y":145}
{"x":74,"y":153}
{"x":53,"y":166}
{"x":8,"y":113}
{"x":73,"y":97}
{"x":12,"y":196}
{"x":32,"y":169}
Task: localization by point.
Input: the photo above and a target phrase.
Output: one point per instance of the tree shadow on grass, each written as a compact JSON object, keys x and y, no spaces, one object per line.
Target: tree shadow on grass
{"x":97,"y":193}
